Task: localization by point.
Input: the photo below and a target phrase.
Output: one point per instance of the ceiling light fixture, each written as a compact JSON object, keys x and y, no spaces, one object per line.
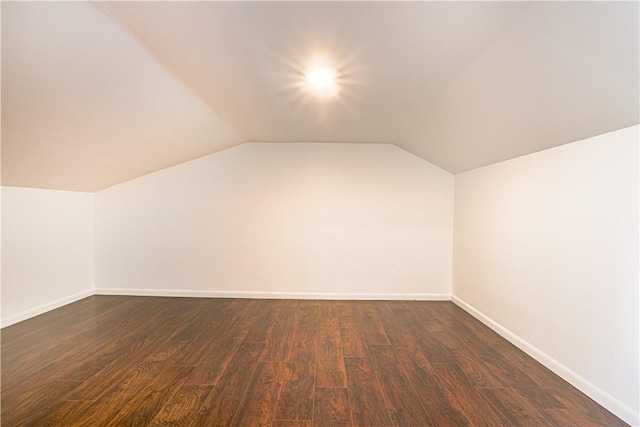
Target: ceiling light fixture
{"x":320,"y":81}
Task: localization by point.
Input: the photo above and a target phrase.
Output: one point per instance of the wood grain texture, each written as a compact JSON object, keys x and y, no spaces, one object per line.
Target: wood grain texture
{"x":440,"y":407}
{"x":404,"y":405}
{"x":368,"y":407}
{"x":113,"y":360}
{"x":371,"y":323}
{"x":138,"y":408}
{"x":332,"y":407}
{"x":467,"y":398}
{"x":221,"y":405}
{"x":178,"y":411}
{"x":292,"y":423}
{"x":353,"y":344}
{"x":28,"y":409}
{"x":297,"y":393}
{"x":222,"y":346}
{"x":64,"y":413}
{"x":261,"y":396}
{"x":329,"y":358}
{"x":513,"y":407}
{"x":281,"y":335}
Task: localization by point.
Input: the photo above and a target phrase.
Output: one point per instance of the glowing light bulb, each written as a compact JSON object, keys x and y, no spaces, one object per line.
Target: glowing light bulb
{"x":321,"y":82}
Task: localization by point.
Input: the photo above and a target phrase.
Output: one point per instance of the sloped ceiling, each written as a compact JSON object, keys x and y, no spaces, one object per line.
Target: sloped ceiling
{"x":95,"y":94}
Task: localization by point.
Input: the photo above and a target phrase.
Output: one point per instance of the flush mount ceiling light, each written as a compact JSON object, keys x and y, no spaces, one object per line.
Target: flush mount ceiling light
{"x":320,"y":81}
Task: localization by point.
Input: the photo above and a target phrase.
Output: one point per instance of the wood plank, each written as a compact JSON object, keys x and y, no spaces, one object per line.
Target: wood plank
{"x":323,"y":309}
{"x":86,"y":417}
{"x":403,"y":339}
{"x":584,"y":407}
{"x":178,"y":411}
{"x":222,"y":403}
{"x":259,"y":404}
{"x":69,"y":346}
{"x":131,"y":356}
{"x":541,"y":375}
{"x":330,"y":370}
{"x":139,"y":377}
{"x":568,"y":417}
{"x":25,"y":336}
{"x":196,"y":350}
{"x":477,"y":371}
{"x":64,"y":413}
{"x":433,"y":350}
{"x":516,"y":378}
{"x":371,"y":325}
{"x":307,"y":322}
{"x":368,"y":407}
{"x":332,"y":407}
{"x":297,"y":394}
{"x":281,"y":335}
{"x":39,"y":403}
{"x":441,"y":410}
{"x":292,"y":423}
{"x":342,"y":308}
{"x":201,"y":312}
{"x":421,"y":375}
{"x":353,"y":344}
{"x":461,"y":392}
{"x":221,"y":347}
{"x":404,"y":405}
{"x":138,"y":408}
{"x":513,"y":407}
{"x":217,"y":362}
{"x":261,"y":329}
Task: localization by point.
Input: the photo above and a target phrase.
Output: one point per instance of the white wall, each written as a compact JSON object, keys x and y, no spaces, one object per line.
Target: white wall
{"x":546,"y":252}
{"x":299,"y":220}
{"x":47,"y":250}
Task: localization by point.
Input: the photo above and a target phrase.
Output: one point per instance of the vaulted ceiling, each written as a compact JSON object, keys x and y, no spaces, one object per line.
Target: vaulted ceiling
{"x":94,"y":94}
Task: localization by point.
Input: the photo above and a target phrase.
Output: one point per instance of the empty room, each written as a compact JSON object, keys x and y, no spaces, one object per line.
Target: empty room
{"x":320,"y":213}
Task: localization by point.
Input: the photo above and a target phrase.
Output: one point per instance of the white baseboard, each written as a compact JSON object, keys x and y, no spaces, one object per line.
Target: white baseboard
{"x":603,"y":398}
{"x":36,"y":311}
{"x":13,"y":319}
{"x":271,"y":295}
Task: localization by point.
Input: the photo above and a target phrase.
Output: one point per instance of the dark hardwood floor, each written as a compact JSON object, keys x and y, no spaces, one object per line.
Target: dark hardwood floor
{"x":138,"y":361}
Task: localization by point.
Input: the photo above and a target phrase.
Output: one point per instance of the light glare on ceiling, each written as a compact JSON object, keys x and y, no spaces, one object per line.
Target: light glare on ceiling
{"x":321,"y":82}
